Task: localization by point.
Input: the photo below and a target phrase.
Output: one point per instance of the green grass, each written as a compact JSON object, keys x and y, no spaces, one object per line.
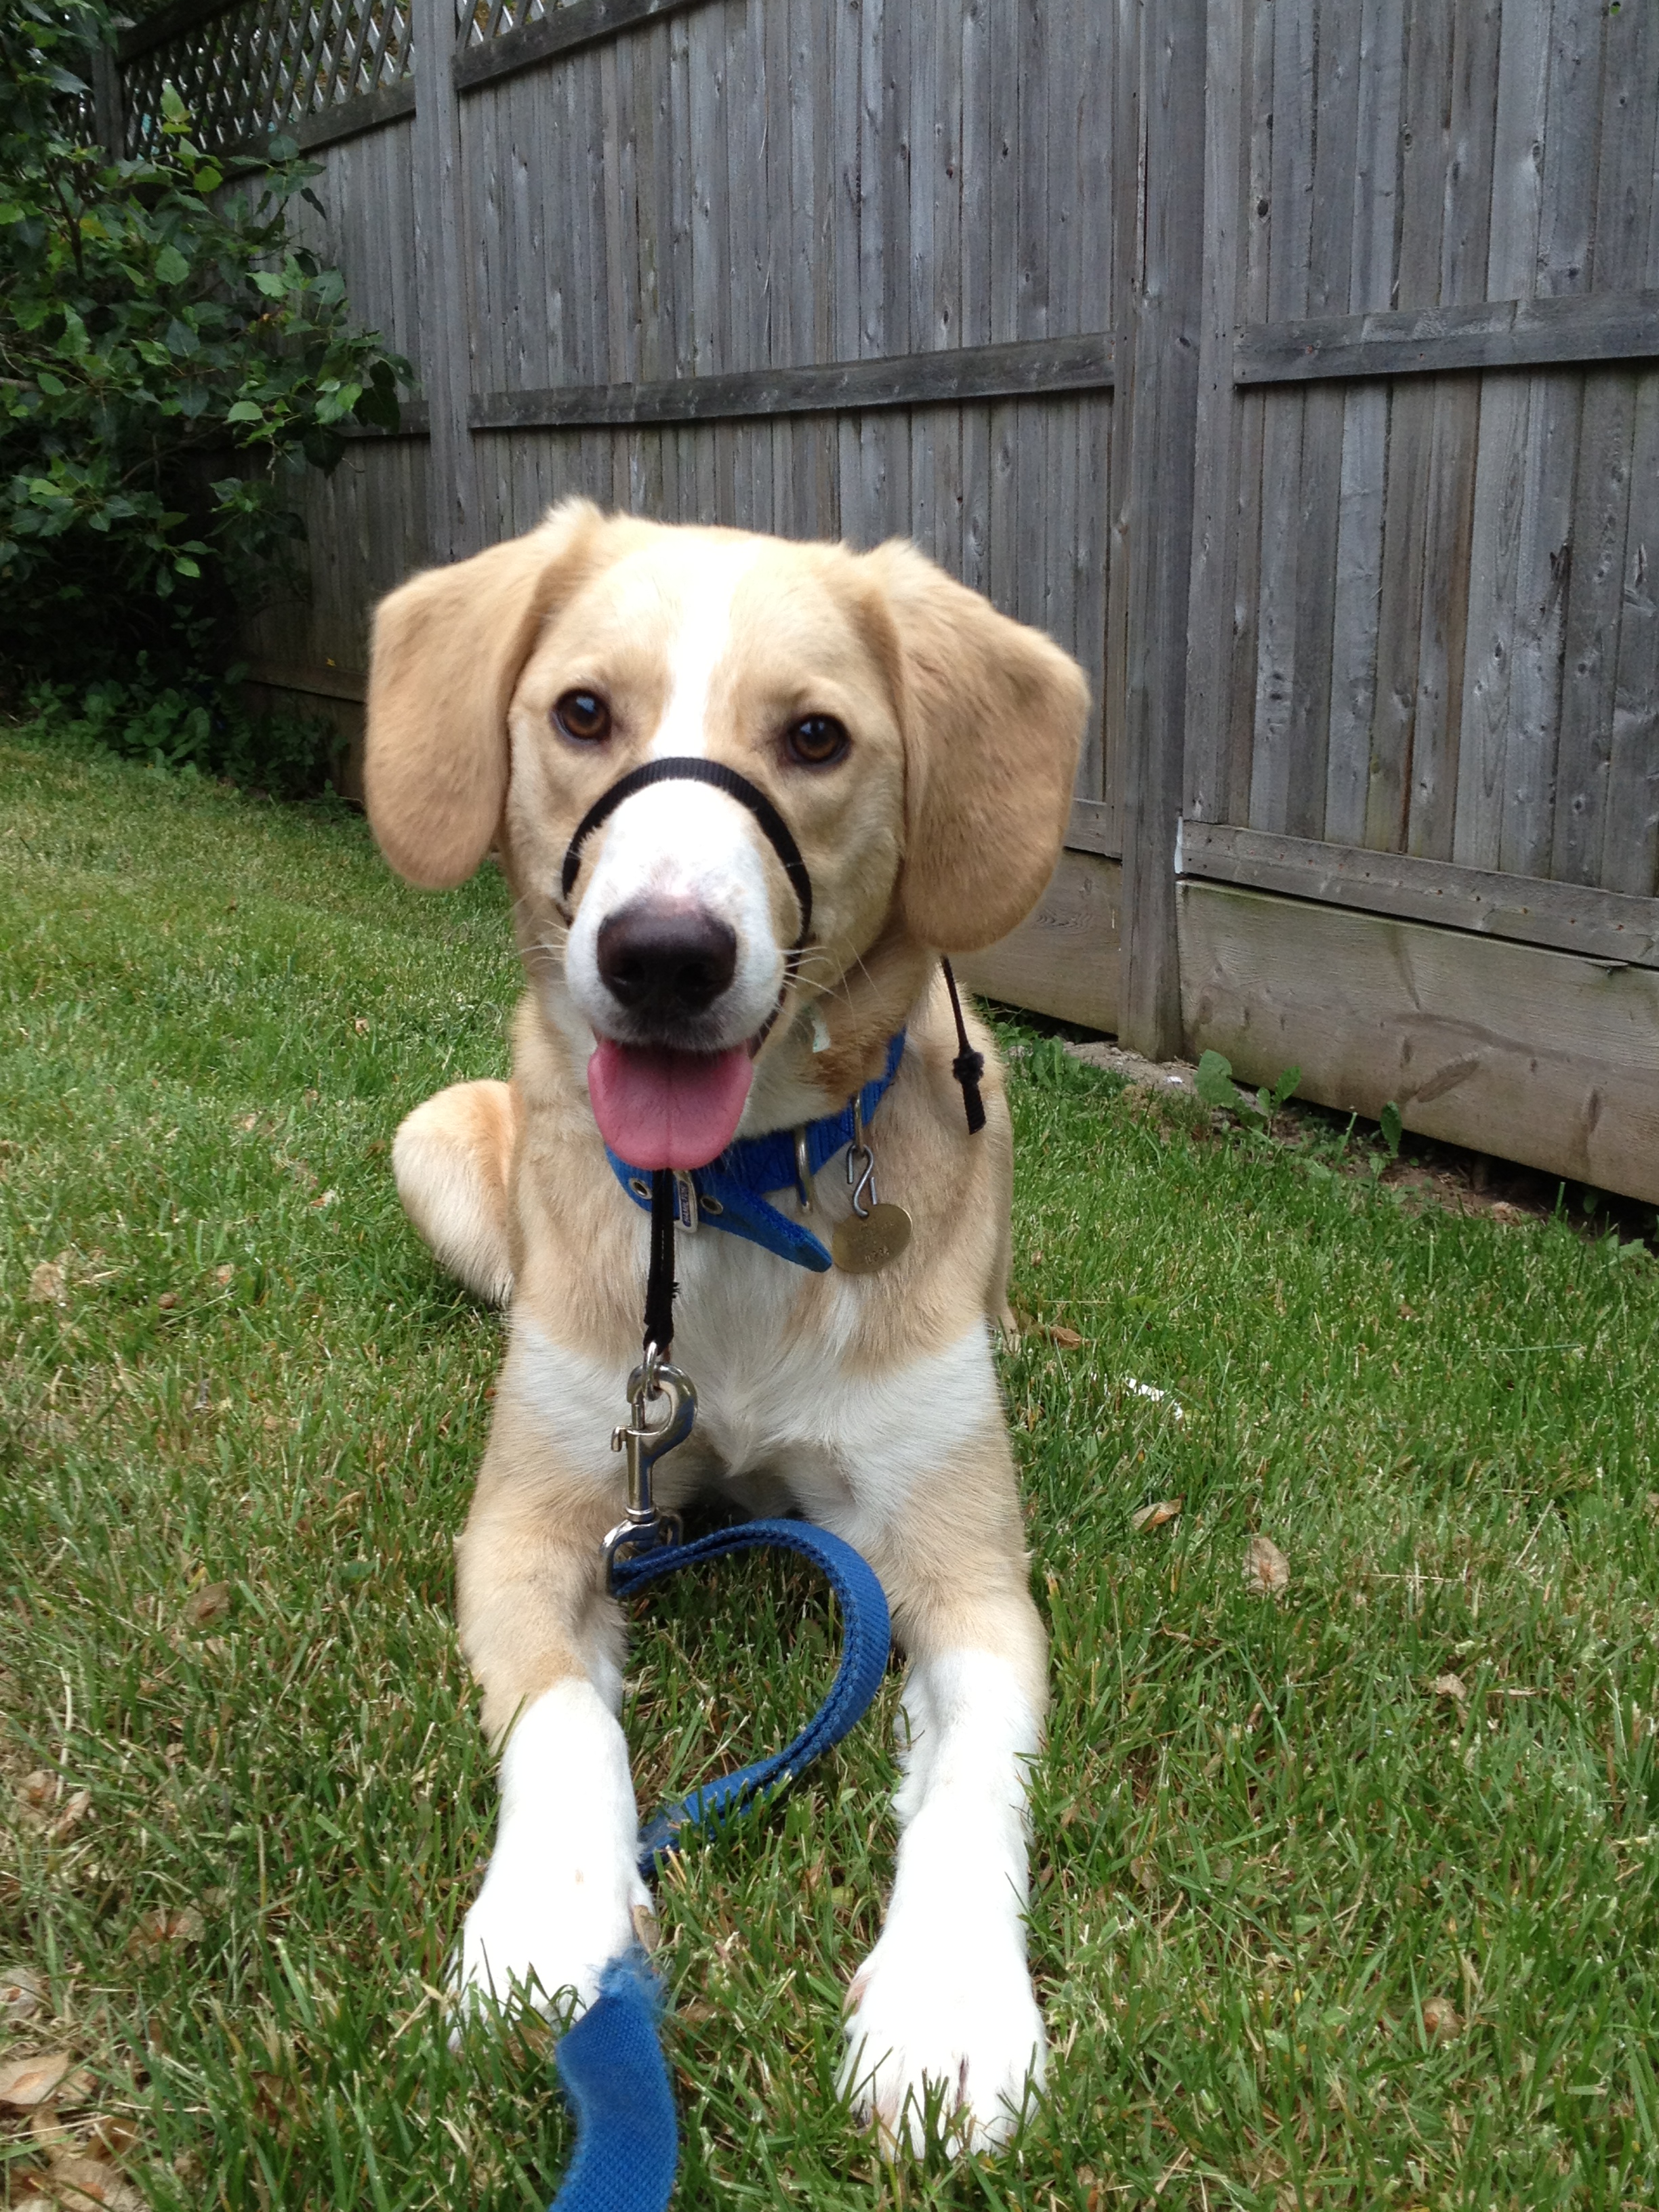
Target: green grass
{"x":1265,"y":1846}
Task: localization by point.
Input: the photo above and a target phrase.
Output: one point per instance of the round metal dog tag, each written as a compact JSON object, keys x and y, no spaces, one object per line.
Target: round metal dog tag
{"x":863,"y":1246}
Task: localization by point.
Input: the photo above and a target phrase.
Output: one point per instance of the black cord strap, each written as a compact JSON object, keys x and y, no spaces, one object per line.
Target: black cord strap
{"x":968,"y":1066}
{"x":660,"y":1284}
{"x":690,"y":768}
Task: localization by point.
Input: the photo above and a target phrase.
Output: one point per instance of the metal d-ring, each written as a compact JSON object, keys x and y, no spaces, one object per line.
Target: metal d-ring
{"x":646,"y":1527}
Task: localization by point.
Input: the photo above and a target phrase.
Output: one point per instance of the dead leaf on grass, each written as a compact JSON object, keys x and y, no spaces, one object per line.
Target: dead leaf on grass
{"x":207,"y":1603}
{"x":646,"y":1928}
{"x":46,"y":1287}
{"x":1068,"y":1340}
{"x":21,"y":1994}
{"x":111,"y":2136}
{"x":1155,"y":1516}
{"x":36,"y":1789}
{"x":70,"y":1818}
{"x":1451,"y":1686}
{"x":80,"y":2182}
{"x":1266,"y":1569}
{"x":156,"y":1930}
{"x":29,"y":2081}
{"x":1440,"y":2019}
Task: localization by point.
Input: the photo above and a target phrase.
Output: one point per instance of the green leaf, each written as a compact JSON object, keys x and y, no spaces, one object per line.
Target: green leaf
{"x":1285,"y":1086}
{"x":271,"y":283}
{"x":1392,"y":1127}
{"x":186,"y":567}
{"x":208,"y":178}
{"x":54,"y":386}
{"x":171,"y":266}
{"x":1214,"y":1083}
{"x":243,"y":410}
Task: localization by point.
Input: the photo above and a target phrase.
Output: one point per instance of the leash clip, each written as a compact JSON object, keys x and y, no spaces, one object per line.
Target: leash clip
{"x":647,"y":1526}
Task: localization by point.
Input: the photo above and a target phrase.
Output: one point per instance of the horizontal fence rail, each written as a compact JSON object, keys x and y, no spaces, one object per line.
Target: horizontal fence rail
{"x":495,"y":41}
{"x":1496,"y":334}
{"x":949,"y":377}
{"x":1529,"y":909}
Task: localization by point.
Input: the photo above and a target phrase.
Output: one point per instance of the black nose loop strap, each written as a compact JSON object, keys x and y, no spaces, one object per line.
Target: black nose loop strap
{"x":689,"y":768}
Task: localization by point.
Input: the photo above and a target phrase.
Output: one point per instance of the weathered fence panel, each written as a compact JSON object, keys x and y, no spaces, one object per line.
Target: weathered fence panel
{"x":1295,"y":363}
{"x":1424,"y":657}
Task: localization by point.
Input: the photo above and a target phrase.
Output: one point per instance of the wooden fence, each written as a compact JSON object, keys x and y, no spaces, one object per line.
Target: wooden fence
{"x":1295,"y":363}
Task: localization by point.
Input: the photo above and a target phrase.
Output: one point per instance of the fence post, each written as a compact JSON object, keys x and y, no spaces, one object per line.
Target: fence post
{"x":1160,"y":393}
{"x":107,"y":119}
{"x":445,"y":362}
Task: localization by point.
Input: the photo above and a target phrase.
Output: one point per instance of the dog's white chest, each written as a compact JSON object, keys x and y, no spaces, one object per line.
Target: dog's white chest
{"x":774,"y":1400}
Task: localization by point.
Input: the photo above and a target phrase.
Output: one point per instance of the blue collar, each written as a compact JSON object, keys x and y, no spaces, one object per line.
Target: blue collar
{"x":728,"y":1191}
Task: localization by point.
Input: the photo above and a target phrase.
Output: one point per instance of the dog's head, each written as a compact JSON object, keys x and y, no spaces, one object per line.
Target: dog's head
{"x":919,"y":746}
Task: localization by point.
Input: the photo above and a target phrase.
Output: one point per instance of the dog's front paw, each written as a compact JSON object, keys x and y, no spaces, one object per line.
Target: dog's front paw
{"x":536,"y":1938}
{"x":946,"y":2018}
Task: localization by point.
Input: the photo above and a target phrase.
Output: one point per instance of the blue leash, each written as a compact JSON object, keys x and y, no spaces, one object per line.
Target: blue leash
{"x":611,"y":2061}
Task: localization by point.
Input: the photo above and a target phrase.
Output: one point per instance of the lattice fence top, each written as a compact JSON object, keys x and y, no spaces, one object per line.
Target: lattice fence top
{"x":265,"y":66}
{"x":477,"y":21}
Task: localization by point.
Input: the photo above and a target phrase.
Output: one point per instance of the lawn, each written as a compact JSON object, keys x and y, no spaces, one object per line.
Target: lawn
{"x":1346,"y":1893}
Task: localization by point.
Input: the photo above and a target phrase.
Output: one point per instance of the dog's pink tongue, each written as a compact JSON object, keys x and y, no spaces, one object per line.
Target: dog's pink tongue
{"x":657,"y":1109}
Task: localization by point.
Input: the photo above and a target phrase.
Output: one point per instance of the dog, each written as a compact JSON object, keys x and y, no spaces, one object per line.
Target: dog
{"x":919,"y":749}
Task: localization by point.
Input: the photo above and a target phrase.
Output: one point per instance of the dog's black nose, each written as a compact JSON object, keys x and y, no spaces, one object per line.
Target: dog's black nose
{"x":664,"y":959}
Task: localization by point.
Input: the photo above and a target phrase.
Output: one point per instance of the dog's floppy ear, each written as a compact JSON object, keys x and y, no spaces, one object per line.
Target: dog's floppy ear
{"x":448,"y":650}
{"x":992,"y":714}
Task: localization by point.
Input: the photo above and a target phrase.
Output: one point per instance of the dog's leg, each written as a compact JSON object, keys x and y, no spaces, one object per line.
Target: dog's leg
{"x":452,"y":1158}
{"x":945,"y":1996}
{"x":561,"y":1897}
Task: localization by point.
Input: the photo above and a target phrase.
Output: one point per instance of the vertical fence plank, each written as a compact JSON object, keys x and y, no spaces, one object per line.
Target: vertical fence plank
{"x":1291,"y":198}
{"x":1166,"y":302}
{"x":1356,"y":614}
{"x":451,"y":481}
{"x":1330,"y":250}
{"x":1496,"y":544}
{"x":1565,"y":211}
{"x":1417,"y":284}
{"x":1257,"y":239}
{"x":1630,"y":853}
{"x":1218,"y":423}
{"x":1596,"y":590}
{"x":1454,"y":435}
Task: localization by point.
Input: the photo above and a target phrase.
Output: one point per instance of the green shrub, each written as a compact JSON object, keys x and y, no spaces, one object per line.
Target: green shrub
{"x":196,"y":725}
{"x":166,"y":360}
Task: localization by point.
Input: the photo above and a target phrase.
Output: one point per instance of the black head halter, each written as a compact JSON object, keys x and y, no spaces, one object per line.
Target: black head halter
{"x":690,"y":768}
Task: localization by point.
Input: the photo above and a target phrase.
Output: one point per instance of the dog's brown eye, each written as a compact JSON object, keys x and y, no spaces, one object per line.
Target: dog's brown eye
{"x":815,"y":740}
{"x":582,"y":715}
